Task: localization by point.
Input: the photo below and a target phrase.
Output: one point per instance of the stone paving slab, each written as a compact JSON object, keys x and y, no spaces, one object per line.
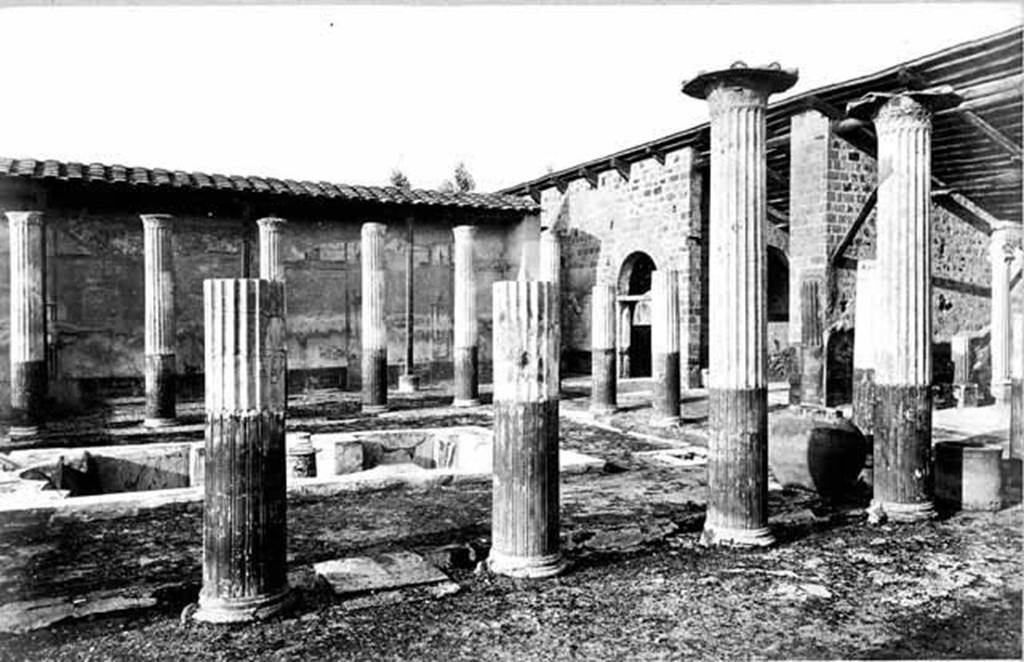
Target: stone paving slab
{"x":359,"y":574}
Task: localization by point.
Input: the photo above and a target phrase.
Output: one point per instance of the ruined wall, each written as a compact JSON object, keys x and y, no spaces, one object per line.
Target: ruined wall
{"x":656,"y":211}
{"x":95,"y":281}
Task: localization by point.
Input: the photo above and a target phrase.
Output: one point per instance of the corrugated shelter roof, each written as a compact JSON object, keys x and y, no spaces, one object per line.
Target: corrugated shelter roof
{"x":976,"y":146}
{"x":95,"y":173}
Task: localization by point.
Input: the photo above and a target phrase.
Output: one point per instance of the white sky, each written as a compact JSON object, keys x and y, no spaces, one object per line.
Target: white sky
{"x":346,"y":93}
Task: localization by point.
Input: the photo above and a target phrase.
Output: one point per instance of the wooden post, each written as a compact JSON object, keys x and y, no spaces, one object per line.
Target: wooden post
{"x":525,"y":520}
{"x":903,"y":467}
{"x":27,"y":322}
{"x":160,"y":338}
{"x":244,"y":523}
{"x":466,"y":332}
{"x":375,"y":332}
{"x":738,"y":393}
{"x":665,"y":346}
{"x":603,"y":308}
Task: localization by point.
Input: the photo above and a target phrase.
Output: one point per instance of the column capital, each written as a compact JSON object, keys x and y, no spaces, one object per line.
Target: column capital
{"x":374,"y":227}
{"x":25,"y":217}
{"x":271,"y":222}
{"x":913,"y":107}
{"x":740,"y":85}
{"x":156,"y":221}
{"x":1006,"y":241}
{"x":464,"y":232}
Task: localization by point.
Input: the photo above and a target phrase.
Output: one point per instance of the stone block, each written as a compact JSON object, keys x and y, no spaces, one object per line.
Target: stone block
{"x":360,"y":574}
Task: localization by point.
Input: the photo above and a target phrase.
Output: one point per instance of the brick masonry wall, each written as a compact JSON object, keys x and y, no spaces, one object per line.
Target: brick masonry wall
{"x":656,"y":211}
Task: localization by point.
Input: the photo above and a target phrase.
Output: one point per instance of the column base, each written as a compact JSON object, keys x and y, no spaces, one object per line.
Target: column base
{"x":408,"y":383}
{"x":526,"y":567}
{"x":664,"y":421}
{"x":242,"y":610}
{"x":472,"y":402}
{"x":905,"y":512}
{"x":159,"y":422}
{"x":719,"y":535}
{"x":23,"y":431}
{"x":374,"y":409}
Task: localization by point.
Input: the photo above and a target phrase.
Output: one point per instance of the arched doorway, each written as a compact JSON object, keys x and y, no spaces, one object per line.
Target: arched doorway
{"x":634,"y":300}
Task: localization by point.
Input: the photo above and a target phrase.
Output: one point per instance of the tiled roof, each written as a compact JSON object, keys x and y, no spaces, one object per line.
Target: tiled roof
{"x":159,"y":178}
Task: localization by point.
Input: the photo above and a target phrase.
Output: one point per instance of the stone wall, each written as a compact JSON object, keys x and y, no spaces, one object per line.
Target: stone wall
{"x":95,"y":280}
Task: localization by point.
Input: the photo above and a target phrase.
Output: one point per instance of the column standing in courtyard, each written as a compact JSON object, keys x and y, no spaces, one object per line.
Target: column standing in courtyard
{"x":244,"y":519}
{"x":375,"y":333}
{"x":525,"y":520}
{"x":28,"y":325}
{"x":410,"y":381}
{"x":865,"y":346}
{"x":1017,"y":388}
{"x":1005,"y":238}
{"x":551,"y":271}
{"x":903,"y":487}
{"x":271,"y":255}
{"x":665,"y":346}
{"x":738,"y":395}
{"x":160,"y":320}
{"x":602,"y":350}
{"x":466,"y":330}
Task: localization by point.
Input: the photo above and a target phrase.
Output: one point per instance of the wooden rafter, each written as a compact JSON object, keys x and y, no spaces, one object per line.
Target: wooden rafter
{"x":590,"y":176}
{"x":621,"y":166}
{"x":995,"y":135}
{"x":854,"y":229}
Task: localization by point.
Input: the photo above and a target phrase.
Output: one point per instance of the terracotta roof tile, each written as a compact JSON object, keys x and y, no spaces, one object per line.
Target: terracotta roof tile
{"x":178,"y":178}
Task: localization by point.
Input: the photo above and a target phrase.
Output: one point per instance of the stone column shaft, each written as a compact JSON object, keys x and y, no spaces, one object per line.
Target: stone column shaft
{"x":466,"y":328}
{"x":375,"y":335}
{"x":551,"y":270}
{"x":525,"y":524}
{"x":1017,"y":388}
{"x":244,"y":521}
{"x":603,"y":306}
{"x":1001,"y":254}
{"x":738,"y":395}
{"x":903,"y":472}
{"x":812,"y":350}
{"x":28,"y":322}
{"x":160,"y":320}
{"x":665,"y":325}
{"x":625,"y":339}
{"x":865,"y":346}
{"x":271,"y":251}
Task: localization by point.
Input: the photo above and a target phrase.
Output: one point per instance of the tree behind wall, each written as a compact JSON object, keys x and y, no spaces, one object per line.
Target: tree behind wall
{"x":461,"y":182}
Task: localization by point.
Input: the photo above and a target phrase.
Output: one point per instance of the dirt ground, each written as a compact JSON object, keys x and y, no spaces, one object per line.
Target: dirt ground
{"x":639,"y":587}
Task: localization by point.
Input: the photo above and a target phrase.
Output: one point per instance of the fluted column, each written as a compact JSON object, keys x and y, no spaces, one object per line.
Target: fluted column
{"x":28,"y":324}
{"x":244,"y":520}
{"x":375,"y":333}
{"x":603,"y":306}
{"x":738,"y":394}
{"x":466,"y":329}
{"x":551,"y":256}
{"x":160,"y":320}
{"x":812,"y":340}
{"x":665,"y":346}
{"x":271,"y":253}
{"x":409,"y":381}
{"x":525,"y":518}
{"x":1001,"y":254}
{"x":903,"y":477}
{"x":865,"y":346}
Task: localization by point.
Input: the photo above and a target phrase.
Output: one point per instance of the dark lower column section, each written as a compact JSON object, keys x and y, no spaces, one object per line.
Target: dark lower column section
{"x":903,"y":484}
{"x":666,"y":389}
{"x":737,"y":468}
{"x":467,"y":384}
{"x":864,"y":400}
{"x":603,"y":389}
{"x":28,"y":396}
{"x":375,"y":379}
{"x":244,"y":526}
{"x":525,"y":518}
{"x":160,"y":392}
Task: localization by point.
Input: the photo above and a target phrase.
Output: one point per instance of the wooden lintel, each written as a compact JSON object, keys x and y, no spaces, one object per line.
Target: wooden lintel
{"x":993,"y":134}
{"x":854,"y":229}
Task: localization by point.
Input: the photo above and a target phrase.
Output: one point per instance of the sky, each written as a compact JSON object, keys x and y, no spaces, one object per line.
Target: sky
{"x":347,"y":93}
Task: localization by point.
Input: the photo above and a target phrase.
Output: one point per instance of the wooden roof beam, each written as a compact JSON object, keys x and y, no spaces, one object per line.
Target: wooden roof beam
{"x":996,"y":136}
{"x":590,"y":176}
{"x":621,"y":166}
{"x":854,"y":229}
{"x":963,"y":208}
